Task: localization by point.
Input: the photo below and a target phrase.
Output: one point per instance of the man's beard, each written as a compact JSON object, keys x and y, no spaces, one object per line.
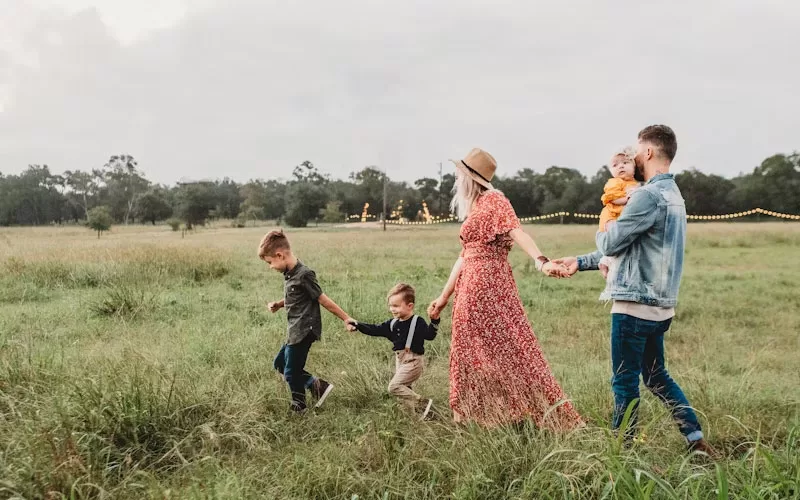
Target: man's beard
{"x":638,"y":172}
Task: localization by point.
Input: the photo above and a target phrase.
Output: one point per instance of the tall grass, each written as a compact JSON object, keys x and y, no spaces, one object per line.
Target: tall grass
{"x":139,"y":366}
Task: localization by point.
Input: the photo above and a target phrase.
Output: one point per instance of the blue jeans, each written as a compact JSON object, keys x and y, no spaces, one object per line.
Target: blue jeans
{"x":291,"y":363}
{"x":637,"y":348}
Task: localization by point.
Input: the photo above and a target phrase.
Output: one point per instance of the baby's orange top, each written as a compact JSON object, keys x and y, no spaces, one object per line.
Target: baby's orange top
{"x":615,"y":189}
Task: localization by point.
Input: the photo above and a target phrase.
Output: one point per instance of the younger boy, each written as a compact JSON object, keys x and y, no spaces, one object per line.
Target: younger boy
{"x":302,"y":298}
{"x":408,"y":332}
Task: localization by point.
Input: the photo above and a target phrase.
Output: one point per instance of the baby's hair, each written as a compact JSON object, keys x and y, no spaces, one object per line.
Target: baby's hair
{"x":627,"y":152}
{"x":406,"y":291}
{"x":272,"y":243}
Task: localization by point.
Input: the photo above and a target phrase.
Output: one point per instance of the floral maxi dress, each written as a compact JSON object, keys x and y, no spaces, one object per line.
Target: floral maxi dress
{"x":498,"y":373}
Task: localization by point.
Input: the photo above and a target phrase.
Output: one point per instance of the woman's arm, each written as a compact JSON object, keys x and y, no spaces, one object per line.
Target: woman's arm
{"x":441,"y":302}
{"x":527,"y":244}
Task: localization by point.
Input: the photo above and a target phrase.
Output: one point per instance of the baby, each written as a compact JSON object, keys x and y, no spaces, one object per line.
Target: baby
{"x":616,"y":193}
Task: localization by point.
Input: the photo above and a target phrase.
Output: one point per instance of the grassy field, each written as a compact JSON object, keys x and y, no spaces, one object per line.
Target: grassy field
{"x":139,"y":366}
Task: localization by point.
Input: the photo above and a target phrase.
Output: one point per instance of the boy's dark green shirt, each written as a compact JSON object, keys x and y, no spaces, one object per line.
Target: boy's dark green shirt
{"x":301,"y":293}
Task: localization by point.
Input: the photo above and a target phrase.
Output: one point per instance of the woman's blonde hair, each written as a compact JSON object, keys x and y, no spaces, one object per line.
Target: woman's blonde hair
{"x":465,"y":193}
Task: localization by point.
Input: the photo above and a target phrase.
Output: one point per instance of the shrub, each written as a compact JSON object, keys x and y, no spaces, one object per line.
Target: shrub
{"x":175,"y":224}
{"x":99,"y":220}
{"x":124,"y":302}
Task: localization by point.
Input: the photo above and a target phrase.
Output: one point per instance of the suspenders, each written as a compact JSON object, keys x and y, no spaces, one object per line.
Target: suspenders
{"x":411,"y":329}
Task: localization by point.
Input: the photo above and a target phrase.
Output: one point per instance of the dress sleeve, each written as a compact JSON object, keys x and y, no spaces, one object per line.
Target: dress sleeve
{"x":503,"y":217}
{"x":613,"y":190}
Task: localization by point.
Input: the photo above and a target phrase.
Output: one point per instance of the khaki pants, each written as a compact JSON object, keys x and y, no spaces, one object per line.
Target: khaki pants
{"x":408,"y":369}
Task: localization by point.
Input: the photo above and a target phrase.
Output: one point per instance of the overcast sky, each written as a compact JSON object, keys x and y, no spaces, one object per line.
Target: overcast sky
{"x":250,"y":88}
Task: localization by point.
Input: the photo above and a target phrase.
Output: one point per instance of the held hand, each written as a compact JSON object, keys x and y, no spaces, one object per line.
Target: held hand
{"x":553,"y":270}
{"x":274,"y":307}
{"x":436,"y":307}
{"x":570,"y":264}
{"x":351,"y":324}
{"x":603,"y":270}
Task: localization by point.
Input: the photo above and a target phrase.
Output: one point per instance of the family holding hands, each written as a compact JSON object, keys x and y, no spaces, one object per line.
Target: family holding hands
{"x":498,"y":372}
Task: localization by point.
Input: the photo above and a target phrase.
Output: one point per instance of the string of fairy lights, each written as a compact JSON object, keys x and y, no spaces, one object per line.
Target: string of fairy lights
{"x":364,"y":217}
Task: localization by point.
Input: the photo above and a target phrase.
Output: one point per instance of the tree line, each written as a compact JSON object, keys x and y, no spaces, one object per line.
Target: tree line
{"x":121,"y":193}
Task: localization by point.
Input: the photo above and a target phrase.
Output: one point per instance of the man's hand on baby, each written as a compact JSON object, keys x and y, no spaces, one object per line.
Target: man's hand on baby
{"x":351,"y":324}
{"x":603,"y":270}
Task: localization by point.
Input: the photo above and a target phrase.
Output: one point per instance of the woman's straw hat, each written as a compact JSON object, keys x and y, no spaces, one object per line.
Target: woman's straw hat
{"x":479,"y":165}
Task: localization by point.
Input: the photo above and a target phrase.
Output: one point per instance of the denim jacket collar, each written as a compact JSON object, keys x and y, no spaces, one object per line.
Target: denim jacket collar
{"x":660,"y":177}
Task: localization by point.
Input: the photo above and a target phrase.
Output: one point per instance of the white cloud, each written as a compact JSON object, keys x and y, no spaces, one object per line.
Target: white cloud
{"x":251,"y":88}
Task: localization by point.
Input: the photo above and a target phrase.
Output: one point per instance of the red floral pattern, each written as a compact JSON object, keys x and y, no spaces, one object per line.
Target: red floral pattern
{"x":498,"y":373}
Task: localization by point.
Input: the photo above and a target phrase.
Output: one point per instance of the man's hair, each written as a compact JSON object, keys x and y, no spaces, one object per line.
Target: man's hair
{"x":407,"y":291}
{"x":663,"y":138}
{"x":272,"y":243}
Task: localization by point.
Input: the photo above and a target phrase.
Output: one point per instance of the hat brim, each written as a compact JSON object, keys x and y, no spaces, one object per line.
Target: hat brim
{"x":460,"y":165}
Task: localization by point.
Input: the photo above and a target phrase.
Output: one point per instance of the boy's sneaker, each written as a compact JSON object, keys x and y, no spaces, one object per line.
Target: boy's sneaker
{"x":320,"y":390}
{"x":426,"y":406}
{"x":298,"y":406}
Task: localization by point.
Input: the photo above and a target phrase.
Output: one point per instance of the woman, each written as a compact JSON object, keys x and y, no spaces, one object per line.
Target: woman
{"x":498,"y":373}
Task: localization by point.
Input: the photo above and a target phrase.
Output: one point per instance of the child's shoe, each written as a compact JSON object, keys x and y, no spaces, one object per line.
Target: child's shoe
{"x":320,"y":390}
{"x":425,"y":406}
{"x":298,"y":405}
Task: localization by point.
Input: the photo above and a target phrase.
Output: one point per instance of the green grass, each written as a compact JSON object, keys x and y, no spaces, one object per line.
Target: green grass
{"x":139,"y":366}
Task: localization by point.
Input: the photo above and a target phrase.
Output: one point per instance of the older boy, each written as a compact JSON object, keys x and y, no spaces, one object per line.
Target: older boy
{"x":302,"y":298}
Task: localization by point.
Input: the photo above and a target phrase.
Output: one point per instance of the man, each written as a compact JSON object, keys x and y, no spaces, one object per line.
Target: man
{"x":648,"y":239}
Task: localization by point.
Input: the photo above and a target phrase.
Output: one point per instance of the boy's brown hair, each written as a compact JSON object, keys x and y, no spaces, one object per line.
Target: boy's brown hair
{"x":406,"y":291}
{"x":272,"y":243}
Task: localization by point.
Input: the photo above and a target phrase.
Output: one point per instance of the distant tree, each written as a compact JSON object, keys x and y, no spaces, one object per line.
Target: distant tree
{"x":304,"y":200}
{"x":123,"y":183}
{"x":194,"y":201}
{"x":524,"y":191}
{"x":705,"y":194}
{"x":332,"y":212}
{"x":563,"y":189}
{"x":369,"y":186}
{"x":348,"y":195}
{"x":428,"y":189}
{"x":153,"y":206}
{"x":99,"y":220}
{"x":229,"y":199}
{"x":307,"y":172}
{"x":264,"y":199}
{"x":83,"y":188}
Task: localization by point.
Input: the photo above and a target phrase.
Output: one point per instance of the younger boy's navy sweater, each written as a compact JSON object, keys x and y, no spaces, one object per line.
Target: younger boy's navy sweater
{"x":399,"y":334}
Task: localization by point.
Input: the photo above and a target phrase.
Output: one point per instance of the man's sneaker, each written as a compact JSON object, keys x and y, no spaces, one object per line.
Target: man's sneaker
{"x":426,"y":409}
{"x":703,"y":447}
{"x":320,"y":390}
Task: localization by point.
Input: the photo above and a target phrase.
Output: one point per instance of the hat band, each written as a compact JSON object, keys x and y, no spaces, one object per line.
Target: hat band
{"x":475,"y":172}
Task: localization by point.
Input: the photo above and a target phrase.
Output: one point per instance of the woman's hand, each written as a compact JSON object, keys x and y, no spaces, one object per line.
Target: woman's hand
{"x":436,"y":307}
{"x":554,"y":270}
